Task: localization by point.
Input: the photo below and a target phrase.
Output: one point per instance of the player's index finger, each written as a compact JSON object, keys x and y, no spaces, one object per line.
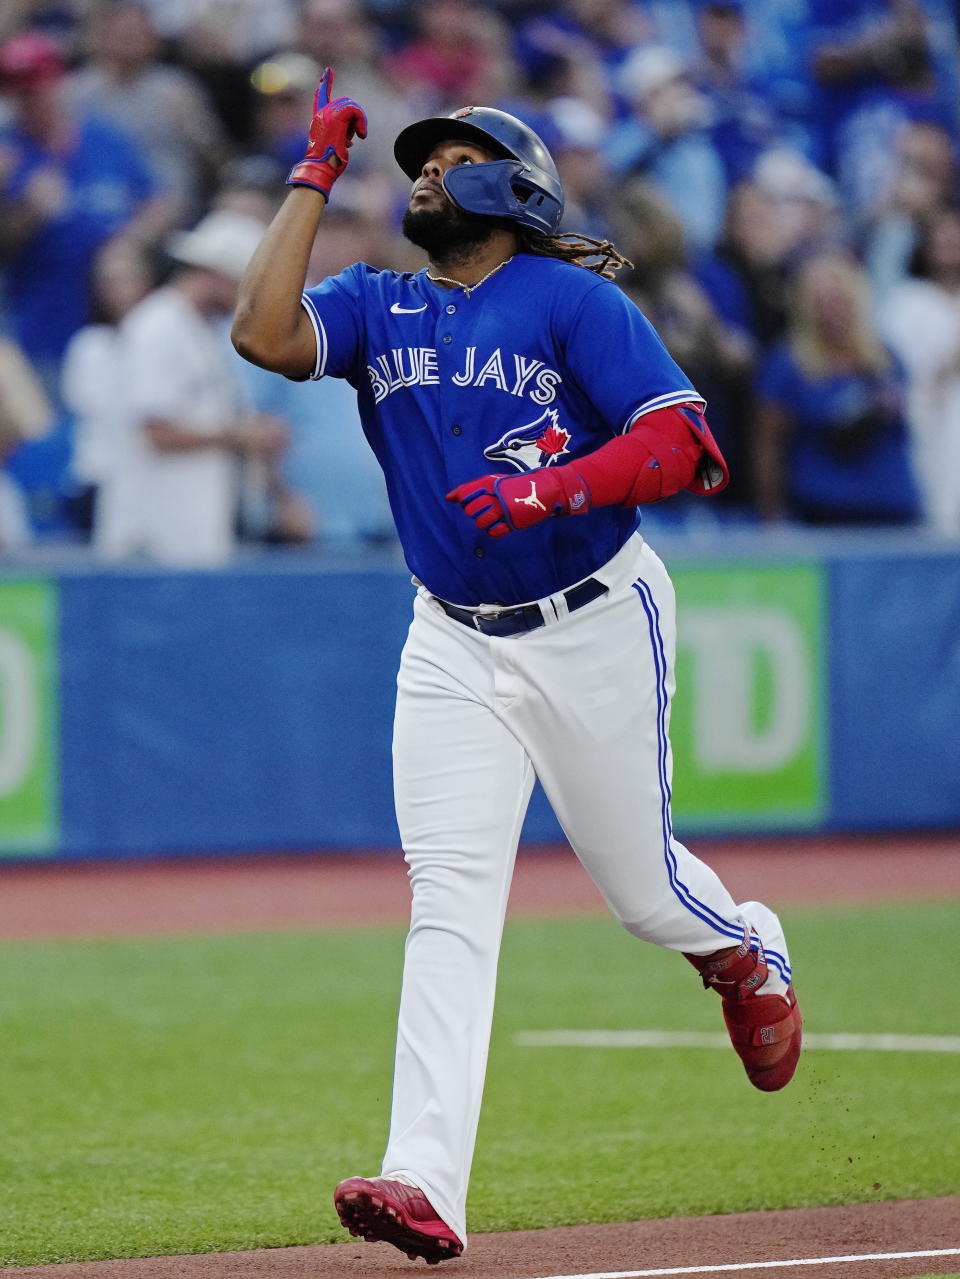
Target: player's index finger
{"x":323,"y":89}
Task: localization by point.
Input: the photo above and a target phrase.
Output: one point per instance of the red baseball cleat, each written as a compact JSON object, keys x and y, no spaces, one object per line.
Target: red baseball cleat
{"x":378,"y":1209}
{"x":765,"y":1030}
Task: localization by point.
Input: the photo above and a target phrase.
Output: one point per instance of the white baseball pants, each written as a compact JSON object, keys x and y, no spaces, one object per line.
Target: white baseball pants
{"x":583,"y":704}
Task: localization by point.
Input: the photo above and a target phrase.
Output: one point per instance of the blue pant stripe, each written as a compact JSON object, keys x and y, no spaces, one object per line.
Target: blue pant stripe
{"x":698,"y":908}
{"x":774,"y":960}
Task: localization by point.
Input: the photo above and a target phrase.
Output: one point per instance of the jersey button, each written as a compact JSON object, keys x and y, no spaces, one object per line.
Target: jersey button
{"x":457,"y":430}
{"x":451,"y":309}
{"x":447,"y":339}
{"x":479,"y":552}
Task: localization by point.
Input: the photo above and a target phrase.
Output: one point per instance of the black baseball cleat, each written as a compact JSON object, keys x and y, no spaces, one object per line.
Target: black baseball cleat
{"x":380,"y":1209}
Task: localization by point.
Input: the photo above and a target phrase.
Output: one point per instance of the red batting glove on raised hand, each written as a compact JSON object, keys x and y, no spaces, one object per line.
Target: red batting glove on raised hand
{"x":331,"y":135}
{"x":501,"y":504}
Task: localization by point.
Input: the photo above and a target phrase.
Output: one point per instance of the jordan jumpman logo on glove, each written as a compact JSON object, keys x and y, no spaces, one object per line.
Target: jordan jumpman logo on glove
{"x":501,"y":504}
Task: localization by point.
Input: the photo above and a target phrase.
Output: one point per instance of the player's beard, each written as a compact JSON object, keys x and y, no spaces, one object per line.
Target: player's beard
{"x":447,"y":234}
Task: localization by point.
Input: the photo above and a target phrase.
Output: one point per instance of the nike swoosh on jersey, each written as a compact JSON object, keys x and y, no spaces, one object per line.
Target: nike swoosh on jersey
{"x":397,"y":309}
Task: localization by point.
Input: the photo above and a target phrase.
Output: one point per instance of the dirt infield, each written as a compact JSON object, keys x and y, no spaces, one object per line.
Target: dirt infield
{"x":230,"y":895}
{"x":323,"y":891}
{"x":741,"y":1243}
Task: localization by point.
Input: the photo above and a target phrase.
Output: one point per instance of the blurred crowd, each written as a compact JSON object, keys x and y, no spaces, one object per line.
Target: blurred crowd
{"x":782,"y":175}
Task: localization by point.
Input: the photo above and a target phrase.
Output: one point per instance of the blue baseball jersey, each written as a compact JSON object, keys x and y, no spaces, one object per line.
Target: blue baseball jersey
{"x":541,"y":364}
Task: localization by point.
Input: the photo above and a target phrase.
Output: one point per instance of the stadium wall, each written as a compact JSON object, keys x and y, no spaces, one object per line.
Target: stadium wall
{"x":148,"y":713}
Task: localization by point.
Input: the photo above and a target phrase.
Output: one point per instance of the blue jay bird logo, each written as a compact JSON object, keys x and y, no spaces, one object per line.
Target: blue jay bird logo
{"x":529,"y":447}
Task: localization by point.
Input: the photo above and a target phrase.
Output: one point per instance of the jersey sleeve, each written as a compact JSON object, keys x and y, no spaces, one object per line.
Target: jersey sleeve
{"x":336,"y":311}
{"x":619,"y":360}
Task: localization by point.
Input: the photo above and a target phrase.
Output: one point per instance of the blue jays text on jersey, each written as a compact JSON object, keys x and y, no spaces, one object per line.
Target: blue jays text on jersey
{"x":417,"y":366}
{"x":544,"y":362}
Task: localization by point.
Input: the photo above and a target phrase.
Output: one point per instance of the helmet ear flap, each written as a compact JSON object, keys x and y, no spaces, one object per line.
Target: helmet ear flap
{"x":504,"y":189}
{"x":531,"y":197}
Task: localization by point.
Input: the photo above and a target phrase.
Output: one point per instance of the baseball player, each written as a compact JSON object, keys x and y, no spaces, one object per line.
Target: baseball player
{"x":522,"y":409}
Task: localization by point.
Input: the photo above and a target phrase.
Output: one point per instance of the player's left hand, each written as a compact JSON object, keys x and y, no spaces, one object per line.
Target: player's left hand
{"x":501,"y":504}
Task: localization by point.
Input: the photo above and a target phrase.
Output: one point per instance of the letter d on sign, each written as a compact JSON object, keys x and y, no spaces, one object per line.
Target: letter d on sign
{"x":752,"y":687}
{"x":19,"y":712}
{"x":749,"y":724}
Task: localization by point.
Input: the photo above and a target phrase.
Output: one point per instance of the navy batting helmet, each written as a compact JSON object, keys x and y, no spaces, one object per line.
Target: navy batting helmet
{"x":523,"y":185}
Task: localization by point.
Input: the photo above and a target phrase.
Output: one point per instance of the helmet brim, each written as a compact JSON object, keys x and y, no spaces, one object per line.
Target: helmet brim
{"x":415,"y":143}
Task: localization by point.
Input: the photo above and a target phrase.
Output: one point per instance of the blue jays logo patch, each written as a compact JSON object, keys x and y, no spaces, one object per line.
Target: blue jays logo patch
{"x":529,"y":447}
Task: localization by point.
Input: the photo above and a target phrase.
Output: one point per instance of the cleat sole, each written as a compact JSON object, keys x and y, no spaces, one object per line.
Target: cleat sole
{"x":369,"y":1217}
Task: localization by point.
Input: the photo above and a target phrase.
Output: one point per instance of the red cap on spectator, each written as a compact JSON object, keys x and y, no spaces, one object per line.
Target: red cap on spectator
{"x":28,"y":61}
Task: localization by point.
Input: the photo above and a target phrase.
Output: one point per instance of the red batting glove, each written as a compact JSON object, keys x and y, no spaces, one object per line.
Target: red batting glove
{"x":331,"y":135}
{"x":501,"y":504}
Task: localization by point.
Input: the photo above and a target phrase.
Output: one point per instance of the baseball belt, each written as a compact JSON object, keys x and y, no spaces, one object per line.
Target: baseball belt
{"x":525,"y":617}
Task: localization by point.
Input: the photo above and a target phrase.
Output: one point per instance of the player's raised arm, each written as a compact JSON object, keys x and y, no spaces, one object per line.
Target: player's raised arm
{"x":270,"y":327}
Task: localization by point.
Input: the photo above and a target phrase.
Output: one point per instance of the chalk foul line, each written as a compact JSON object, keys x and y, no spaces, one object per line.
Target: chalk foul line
{"x":762,"y":1265}
{"x":709,"y":1039}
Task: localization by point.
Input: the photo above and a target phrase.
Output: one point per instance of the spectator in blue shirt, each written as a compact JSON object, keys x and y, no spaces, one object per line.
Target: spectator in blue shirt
{"x":67,"y":185}
{"x":831,"y":441}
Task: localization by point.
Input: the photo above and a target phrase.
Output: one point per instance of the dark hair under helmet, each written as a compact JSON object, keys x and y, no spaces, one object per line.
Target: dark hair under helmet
{"x":523,"y":185}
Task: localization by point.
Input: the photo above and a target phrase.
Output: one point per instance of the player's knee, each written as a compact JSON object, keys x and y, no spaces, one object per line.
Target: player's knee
{"x":641,"y":921}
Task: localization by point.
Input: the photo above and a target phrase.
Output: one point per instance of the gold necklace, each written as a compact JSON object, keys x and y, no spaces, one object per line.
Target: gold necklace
{"x":469,"y":288}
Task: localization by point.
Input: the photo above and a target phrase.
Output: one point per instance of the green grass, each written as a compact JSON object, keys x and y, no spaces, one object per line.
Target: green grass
{"x":205,"y":1093}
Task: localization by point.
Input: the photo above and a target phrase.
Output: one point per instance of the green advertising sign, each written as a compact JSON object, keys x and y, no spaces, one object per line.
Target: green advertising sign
{"x":748,"y":724}
{"x":29,"y":809}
